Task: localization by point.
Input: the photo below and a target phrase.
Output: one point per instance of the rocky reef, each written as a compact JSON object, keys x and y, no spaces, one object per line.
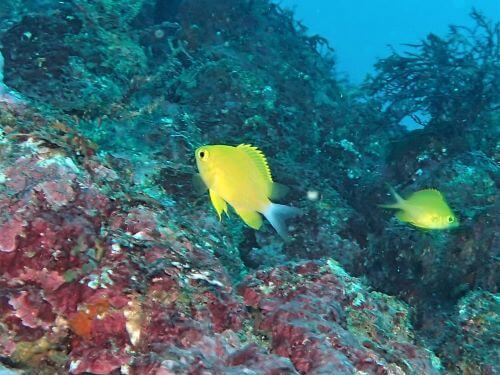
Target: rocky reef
{"x":110,"y":263}
{"x":96,"y":283}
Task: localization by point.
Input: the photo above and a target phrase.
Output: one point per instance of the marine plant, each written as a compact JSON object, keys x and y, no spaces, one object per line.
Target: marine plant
{"x":448,"y":85}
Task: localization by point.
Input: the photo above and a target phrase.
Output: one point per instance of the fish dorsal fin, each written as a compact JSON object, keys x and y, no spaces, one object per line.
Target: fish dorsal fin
{"x":259,"y":160}
{"x":426,"y":196}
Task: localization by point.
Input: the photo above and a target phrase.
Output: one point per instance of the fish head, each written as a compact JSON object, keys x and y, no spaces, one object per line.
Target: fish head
{"x":429,"y":209}
{"x":203,"y":156}
{"x":441,"y":221}
{"x":451,"y":221}
{"x":209,"y":158}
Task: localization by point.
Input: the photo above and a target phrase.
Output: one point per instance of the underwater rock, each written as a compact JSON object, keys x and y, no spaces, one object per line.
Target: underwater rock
{"x":467,"y":342}
{"x":108,"y":261}
{"x":94,"y":282}
{"x":478,"y":320}
{"x":326,"y":321}
{"x":71,"y":70}
{"x":89,"y":286}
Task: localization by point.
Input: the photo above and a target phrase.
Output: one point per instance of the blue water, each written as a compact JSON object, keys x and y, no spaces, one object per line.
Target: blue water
{"x":362,"y":30}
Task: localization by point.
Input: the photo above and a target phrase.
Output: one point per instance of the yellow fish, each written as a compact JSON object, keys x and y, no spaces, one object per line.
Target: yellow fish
{"x":424,"y":209}
{"x":241,"y":177}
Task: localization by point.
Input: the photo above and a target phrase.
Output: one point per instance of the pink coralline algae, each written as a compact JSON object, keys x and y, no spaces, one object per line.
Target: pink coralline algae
{"x":31,"y":310}
{"x":327,"y":323}
{"x":95,"y":281}
{"x":92,"y":283}
{"x":56,"y":193}
{"x":48,"y":280}
{"x":10,"y":230}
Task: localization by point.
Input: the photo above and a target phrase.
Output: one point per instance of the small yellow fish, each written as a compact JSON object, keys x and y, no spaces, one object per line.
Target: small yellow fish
{"x":424,"y":209}
{"x":241,"y":177}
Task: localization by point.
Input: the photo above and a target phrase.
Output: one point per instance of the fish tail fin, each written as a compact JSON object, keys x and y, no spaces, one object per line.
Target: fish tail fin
{"x":277,"y":214}
{"x":396,"y":196}
{"x":391,"y":205}
{"x":399,"y":201}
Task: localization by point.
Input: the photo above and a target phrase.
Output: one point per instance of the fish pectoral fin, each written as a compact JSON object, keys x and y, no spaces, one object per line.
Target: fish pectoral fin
{"x":198,"y":184}
{"x":219,"y":204}
{"x":251,"y":218}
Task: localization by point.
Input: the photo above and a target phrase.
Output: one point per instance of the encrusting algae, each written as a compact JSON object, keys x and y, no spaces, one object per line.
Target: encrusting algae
{"x":241,"y":177}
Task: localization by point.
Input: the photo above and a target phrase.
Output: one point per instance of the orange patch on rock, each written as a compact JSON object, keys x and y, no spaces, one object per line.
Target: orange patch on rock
{"x":81,"y":321}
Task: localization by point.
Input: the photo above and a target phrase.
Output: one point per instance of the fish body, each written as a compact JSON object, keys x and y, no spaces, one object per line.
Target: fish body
{"x":425,"y":209}
{"x":240,"y":176}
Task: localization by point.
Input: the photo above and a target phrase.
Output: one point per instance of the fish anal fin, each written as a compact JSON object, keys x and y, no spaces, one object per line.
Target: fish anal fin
{"x":251,"y":218}
{"x":258,"y":158}
{"x":403,"y":216}
{"x":278,"y":191}
{"x":219,"y":204}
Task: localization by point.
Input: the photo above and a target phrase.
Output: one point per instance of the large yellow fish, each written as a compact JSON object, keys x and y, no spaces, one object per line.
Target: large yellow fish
{"x":241,"y":177}
{"x":424,"y":209}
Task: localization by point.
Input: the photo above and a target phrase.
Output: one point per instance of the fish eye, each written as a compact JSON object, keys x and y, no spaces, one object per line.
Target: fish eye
{"x":203,"y":154}
{"x":451,"y":219}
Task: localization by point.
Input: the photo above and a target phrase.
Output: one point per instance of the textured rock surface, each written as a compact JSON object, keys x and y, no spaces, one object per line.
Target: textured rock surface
{"x":325,"y":321}
{"x":109,"y":262}
{"x":92,"y":283}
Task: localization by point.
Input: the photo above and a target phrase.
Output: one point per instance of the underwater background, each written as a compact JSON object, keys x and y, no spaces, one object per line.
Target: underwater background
{"x":111,"y":262}
{"x":363,"y":31}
